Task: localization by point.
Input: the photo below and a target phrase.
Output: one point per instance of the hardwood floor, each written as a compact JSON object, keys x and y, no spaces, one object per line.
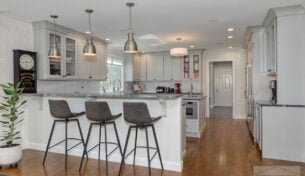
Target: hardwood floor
{"x":225,"y":149}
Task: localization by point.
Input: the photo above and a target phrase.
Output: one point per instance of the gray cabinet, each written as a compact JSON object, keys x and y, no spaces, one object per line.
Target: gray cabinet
{"x":154,"y":67}
{"x":72,"y":64}
{"x":270,"y":64}
{"x":172,"y":68}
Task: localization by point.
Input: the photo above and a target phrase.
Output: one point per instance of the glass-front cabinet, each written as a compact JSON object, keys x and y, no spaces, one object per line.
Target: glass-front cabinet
{"x":191,"y":67}
{"x":64,"y":67}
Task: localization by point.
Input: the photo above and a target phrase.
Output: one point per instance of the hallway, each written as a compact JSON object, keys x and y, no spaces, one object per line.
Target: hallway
{"x":225,"y":149}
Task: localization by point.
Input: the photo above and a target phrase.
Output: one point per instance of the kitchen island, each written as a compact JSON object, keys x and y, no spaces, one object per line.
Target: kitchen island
{"x":169,"y":129}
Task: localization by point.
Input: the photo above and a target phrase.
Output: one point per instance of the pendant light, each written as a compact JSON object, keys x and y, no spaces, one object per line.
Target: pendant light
{"x":178,"y":52}
{"x":54,"y":51}
{"x":89,"y":49}
{"x":130,"y":44}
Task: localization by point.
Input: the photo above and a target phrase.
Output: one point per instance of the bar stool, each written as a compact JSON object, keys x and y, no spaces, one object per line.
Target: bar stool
{"x":138,"y":114}
{"x":100,"y":115}
{"x":61,"y":111}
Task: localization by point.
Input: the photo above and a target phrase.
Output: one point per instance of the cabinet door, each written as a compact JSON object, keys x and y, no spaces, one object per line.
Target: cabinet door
{"x":167,"y":68}
{"x":271,"y":48}
{"x":154,"y":67}
{"x":172,"y":68}
{"x":70,"y":57}
{"x":55,"y":66}
{"x":92,"y":67}
{"x":142,"y":68}
{"x":196,"y":67}
{"x":136,"y":68}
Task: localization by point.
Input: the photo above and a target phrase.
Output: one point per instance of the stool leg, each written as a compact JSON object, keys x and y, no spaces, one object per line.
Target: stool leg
{"x":106,"y":151}
{"x":147,"y":145}
{"x":117,"y":138}
{"x":125,"y":148}
{"x":85,"y":149}
{"x":135,"y":146}
{"x":66,"y":142}
{"x":81,"y":135}
{"x":157,"y":145}
{"x":49,"y":141}
{"x":99,"y":142}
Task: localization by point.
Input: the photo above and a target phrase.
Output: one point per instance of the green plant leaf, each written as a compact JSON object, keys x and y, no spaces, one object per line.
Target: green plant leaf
{"x":8,"y":91}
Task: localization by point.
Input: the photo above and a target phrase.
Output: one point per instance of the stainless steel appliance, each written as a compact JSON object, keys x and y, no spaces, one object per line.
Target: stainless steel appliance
{"x":191,"y":111}
{"x":272,"y":86}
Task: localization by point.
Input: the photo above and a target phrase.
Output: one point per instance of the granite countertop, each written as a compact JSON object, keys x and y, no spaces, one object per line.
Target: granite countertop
{"x":119,"y":95}
{"x":268,"y":103}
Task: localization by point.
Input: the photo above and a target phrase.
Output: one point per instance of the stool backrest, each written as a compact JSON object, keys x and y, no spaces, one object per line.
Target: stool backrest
{"x":136,"y":113}
{"x":59,"y":109}
{"x":98,"y":111}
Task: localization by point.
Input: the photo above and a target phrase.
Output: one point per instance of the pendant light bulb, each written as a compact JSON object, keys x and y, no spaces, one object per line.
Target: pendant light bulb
{"x":130,"y":45}
{"x":89,"y":49}
{"x":54,"y":51}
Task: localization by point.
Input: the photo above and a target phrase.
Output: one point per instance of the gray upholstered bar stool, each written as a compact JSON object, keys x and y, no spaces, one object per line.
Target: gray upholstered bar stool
{"x":138,"y":114}
{"x":98,"y":112}
{"x":61,"y":111}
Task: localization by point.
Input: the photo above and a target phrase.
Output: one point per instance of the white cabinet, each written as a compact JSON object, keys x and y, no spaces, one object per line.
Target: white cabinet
{"x":192,"y":66}
{"x":172,"y":68}
{"x":257,"y":127}
{"x":92,"y":67}
{"x":71,"y":45}
{"x":154,"y":67}
{"x":270,"y":64}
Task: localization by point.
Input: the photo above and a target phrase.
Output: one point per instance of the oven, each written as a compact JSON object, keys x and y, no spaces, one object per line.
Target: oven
{"x":191,"y":111}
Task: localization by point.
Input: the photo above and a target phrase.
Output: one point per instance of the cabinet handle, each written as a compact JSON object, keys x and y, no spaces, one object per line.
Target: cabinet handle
{"x":90,"y":77}
{"x":155,"y":79}
{"x":64,"y":75}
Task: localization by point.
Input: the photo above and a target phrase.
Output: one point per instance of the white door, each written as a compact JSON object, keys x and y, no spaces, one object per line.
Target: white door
{"x":223,"y":86}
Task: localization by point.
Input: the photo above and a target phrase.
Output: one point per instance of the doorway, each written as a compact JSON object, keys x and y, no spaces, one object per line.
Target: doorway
{"x":221,"y":89}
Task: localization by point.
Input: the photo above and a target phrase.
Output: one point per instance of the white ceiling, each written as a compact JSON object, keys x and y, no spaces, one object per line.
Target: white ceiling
{"x":199,"y":23}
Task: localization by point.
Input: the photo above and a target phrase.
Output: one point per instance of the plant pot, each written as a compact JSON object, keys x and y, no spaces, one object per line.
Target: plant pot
{"x":10,"y":155}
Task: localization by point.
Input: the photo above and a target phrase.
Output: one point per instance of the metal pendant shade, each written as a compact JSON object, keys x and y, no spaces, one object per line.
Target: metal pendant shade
{"x":54,"y":51}
{"x":130,"y":45}
{"x":89,"y":49}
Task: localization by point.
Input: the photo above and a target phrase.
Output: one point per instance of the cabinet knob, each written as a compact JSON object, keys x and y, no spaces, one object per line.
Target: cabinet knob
{"x":90,"y":77}
{"x":64,"y":75}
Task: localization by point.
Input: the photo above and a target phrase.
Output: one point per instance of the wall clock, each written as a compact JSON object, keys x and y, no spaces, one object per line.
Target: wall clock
{"x":25,"y":70}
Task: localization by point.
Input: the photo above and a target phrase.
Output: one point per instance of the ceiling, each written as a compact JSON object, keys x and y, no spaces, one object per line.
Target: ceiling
{"x":200,"y":23}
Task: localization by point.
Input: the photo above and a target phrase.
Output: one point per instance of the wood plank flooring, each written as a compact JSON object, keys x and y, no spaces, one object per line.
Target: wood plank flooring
{"x":225,"y":149}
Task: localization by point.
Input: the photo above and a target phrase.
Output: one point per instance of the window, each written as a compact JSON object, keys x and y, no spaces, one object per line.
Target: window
{"x":114,"y":75}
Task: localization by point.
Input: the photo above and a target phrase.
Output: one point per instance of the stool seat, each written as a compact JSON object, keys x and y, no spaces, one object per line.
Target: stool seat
{"x":60,"y":110}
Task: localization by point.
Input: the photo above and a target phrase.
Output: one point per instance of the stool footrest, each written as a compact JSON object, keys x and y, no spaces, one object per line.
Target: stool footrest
{"x":74,"y":146}
{"x":154,"y":148}
{"x":104,"y":143}
{"x":64,"y":141}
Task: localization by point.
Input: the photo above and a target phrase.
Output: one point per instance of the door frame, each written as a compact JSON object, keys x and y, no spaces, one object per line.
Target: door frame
{"x":208,"y":83}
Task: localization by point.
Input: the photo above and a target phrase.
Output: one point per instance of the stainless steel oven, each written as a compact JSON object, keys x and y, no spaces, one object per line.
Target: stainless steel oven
{"x":191,"y":111}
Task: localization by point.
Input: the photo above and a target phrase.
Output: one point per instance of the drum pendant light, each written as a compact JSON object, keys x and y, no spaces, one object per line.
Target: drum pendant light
{"x":178,"y":52}
{"x":54,"y":51}
{"x":130,"y":44}
{"x":89,"y":49}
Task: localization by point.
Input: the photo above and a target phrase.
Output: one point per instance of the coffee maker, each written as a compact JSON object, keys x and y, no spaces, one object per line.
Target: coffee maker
{"x":272,"y":86}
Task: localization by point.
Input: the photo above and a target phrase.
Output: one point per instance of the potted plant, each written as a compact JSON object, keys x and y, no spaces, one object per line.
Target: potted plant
{"x":10,"y":119}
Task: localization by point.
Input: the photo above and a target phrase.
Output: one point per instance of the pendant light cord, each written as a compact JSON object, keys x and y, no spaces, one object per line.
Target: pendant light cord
{"x":90,"y":32}
{"x":130,"y":5}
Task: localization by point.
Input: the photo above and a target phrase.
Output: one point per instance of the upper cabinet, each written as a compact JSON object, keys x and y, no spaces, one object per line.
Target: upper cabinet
{"x":172,"y":68}
{"x":270,"y":64}
{"x":154,"y":67}
{"x":72,"y":64}
{"x":192,"y":66}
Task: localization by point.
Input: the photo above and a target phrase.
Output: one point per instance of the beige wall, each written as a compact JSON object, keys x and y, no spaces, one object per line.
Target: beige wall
{"x":237,"y":56}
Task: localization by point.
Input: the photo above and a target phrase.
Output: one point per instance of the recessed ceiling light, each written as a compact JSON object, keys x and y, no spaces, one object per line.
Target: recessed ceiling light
{"x":230,"y":29}
{"x":192,"y":46}
{"x":107,"y":39}
{"x":230,"y":37}
{"x":230,"y":47}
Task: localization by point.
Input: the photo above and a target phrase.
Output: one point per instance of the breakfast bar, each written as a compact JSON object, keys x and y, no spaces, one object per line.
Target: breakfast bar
{"x":168,"y":130}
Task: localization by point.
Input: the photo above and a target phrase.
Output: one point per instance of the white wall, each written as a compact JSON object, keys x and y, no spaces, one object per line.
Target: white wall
{"x":238,"y":60}
{"x":14,"y":34}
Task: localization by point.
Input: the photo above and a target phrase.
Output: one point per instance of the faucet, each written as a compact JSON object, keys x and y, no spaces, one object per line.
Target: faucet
{"x":116,"y":85}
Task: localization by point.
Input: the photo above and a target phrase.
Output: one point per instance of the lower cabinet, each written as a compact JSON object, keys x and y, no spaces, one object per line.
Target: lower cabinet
{"x":257,"y":127}
{"x":195,"y":121}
